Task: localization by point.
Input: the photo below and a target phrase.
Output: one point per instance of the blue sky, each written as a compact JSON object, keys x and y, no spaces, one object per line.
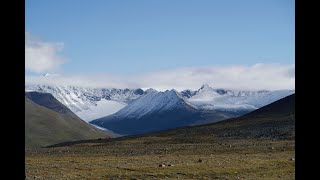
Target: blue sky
{"x":134,"y":36}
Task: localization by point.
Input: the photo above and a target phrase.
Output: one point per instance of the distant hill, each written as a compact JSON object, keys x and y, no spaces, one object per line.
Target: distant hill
{"x":282,"y":107}
{"x":47,"y":122}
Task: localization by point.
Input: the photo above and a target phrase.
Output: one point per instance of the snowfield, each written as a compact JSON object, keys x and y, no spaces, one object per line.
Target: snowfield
{"x":102,"y":108}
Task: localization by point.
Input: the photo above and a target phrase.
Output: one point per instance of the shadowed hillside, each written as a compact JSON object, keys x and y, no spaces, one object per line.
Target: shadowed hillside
{"x":47,"y":100}
{"x":45,"y":126}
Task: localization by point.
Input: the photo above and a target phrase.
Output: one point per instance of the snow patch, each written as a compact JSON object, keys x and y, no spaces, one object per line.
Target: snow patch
{"x":103,"y":108}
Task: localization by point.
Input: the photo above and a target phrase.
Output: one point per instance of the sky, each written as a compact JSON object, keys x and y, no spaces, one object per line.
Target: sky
{"x":125,"y":41}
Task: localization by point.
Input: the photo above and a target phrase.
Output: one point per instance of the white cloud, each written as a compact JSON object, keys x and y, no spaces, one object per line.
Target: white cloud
{"x":41,"y":56}
{"x":256,"y":77}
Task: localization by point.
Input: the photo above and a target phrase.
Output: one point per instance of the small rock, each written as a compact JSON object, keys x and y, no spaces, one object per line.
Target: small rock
{"x":170,"y":165}
{"x":272,"y":147}
{"x":200,"y":161}
{"x":230,"y":146}
{"x":162,"y":165}
{"x":292,"y":159}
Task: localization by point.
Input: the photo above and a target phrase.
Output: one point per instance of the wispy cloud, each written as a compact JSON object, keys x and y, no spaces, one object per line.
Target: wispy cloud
{"x":41,"y":56}
{"x":256,"y":77}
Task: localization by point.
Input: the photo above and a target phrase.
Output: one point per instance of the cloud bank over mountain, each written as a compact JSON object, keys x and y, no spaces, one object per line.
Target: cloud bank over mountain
{"x":255,"y":77}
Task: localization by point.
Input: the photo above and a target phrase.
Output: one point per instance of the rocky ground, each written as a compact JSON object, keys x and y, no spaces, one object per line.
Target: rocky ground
{"x":141,"y":159}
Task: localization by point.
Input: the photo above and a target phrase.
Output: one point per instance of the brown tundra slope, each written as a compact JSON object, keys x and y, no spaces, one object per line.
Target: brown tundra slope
{"x":48,"y":122}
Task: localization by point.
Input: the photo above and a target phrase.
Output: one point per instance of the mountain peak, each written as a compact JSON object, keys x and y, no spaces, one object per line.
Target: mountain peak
{"x":150,"y":90}
{"x":174,"y":91}
{"x":172,"y":94}
{"x":205,"y":86}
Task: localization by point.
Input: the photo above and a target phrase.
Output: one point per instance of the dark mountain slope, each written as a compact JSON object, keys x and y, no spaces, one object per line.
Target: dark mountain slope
{"x":47,"y":100}
{"x":281,"y":107}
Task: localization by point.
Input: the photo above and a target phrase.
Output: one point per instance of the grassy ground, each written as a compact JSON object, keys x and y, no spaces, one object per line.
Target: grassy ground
{"x":140,"y":158}
{"x":258,"y":146}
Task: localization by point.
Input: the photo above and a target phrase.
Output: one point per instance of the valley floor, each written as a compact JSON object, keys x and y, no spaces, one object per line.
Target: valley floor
{"x":140,"y":158}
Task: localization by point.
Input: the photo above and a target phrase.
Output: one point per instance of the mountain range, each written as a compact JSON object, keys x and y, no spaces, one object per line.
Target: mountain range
{"x":94,"y":103}
{"x":273,"y":122}
{"x":135,"y":111}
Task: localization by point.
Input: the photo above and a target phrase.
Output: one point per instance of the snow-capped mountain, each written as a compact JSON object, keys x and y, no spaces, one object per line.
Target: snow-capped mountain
{"x":158,"y":111}
{"x":209,"y":98}
{"x":154,"y":102}
{"x":90,"y":103}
